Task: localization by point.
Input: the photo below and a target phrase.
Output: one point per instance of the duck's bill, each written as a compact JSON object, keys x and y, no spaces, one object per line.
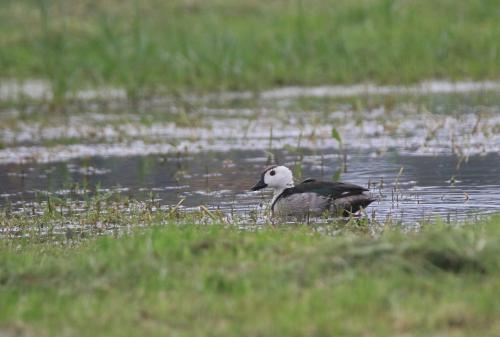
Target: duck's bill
{"x":260,"y":185}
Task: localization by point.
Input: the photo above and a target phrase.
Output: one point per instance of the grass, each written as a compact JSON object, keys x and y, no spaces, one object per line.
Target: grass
{"x":182,"y":277}
{"x":196,"y":280}
{"x":146,"y":46}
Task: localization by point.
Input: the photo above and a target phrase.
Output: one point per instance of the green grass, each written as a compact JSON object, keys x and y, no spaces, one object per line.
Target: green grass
{"x":216,"y":280}
{"x":151,"y":45}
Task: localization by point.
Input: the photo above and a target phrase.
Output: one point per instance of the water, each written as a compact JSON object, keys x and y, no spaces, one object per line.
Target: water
{"x":423,"y":158}
{"x":409,"y":188}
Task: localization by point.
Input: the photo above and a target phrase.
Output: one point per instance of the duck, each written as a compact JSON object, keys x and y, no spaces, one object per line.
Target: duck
{"x":310,"y":197}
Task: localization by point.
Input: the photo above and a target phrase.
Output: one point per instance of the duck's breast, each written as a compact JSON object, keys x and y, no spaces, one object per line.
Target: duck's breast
{"x":301,"y":204}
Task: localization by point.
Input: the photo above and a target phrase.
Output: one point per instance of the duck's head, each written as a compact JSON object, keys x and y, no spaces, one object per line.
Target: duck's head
{"x":277,"y":177}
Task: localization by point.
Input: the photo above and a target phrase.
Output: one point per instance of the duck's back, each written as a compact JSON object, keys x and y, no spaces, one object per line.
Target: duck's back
{"x":313,"y":197}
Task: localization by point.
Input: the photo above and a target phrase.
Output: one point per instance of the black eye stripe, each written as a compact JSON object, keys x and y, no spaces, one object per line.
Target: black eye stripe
{"x":272,"y":172}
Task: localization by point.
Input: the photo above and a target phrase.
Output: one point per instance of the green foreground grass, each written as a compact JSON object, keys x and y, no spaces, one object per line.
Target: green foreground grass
{"x":290,"y":281}
{"x":220,"y":44}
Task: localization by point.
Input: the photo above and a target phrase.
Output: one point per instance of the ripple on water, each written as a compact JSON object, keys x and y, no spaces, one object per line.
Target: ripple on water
{"x":420,"y":192}
{"x":420,"y":165}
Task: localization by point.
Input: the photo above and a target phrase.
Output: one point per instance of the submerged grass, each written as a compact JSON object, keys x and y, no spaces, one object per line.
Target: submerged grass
{"x":196,"y":280}
{"x":94,"y":122}
{"x":145,"y":46}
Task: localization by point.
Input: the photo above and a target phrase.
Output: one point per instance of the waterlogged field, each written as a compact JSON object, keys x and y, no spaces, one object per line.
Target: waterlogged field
{"x":121,"y":219}
{"x":131,"y":132}
{"x":426,"y":152}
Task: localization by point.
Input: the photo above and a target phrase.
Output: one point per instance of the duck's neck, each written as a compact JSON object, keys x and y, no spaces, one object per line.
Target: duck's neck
{"x":279,"y":190}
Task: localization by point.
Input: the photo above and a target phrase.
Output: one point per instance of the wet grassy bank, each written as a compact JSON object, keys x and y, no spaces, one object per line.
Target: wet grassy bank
{"x":145,"y":46}
{"x":196,"y":280}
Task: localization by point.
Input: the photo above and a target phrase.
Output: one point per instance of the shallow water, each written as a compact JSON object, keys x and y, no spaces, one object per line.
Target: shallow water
{"x":40,"y":89}
{"x":426,"y":158}
{"x":410,"y":189}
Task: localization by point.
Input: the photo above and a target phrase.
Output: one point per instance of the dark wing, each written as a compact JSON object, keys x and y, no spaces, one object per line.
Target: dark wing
{"x":333,"y":190}
{"x":307,"y":180}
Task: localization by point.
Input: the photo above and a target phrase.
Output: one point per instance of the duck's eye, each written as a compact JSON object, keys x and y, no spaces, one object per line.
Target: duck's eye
{"x":272,"y":172}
